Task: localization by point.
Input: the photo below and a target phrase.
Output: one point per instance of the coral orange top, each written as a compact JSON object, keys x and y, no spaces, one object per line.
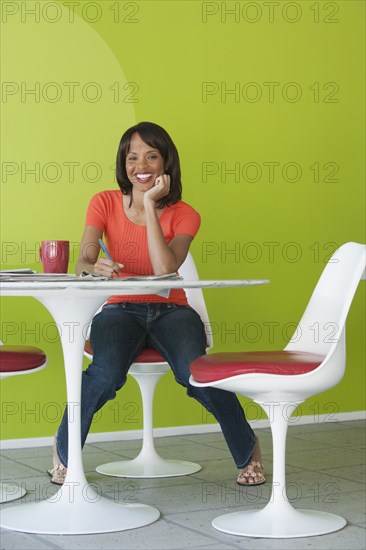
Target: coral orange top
{"x":127,"y":242}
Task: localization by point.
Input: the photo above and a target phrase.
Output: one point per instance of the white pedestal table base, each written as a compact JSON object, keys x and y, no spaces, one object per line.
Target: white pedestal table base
{"x":76,"y":511}
{"x":76,"y":508}
{"x":10,"y":491}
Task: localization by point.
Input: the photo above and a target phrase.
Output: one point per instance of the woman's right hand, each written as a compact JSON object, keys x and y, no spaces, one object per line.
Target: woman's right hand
{"x":89,"y":252}
{"x":107,"y":268}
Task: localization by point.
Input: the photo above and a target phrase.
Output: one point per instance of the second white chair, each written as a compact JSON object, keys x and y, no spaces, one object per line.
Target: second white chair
{"x":16,"y":360}
{"x":278,"y":381}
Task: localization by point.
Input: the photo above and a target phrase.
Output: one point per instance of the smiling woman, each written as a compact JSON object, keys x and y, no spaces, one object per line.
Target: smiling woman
{"x":147,"y":214}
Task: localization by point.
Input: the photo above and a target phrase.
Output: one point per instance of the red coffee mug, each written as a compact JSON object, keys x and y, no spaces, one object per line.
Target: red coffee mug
{"x":54,"y":256}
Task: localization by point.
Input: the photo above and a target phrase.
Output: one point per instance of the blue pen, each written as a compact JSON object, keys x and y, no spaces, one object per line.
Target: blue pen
{"x":105,"y":250}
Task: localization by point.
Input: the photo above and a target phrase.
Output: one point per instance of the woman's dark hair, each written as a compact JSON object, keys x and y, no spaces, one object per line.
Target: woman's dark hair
{"x":158,"y":138}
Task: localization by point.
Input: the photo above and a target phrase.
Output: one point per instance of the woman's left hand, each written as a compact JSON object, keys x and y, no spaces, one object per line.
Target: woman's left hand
{"x":161,"y":188}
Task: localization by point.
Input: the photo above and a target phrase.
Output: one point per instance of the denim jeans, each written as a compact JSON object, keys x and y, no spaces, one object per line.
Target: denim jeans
{"x":118,"y":334}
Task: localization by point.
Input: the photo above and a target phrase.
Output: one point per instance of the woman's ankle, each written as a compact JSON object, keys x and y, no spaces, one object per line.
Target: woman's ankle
{"x":56,"y":459}
{"x":257,"y":455}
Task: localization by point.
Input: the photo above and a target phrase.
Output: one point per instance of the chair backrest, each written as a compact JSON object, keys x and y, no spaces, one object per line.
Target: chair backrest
{"x":322,"y":325}
{"x":195,"y":297}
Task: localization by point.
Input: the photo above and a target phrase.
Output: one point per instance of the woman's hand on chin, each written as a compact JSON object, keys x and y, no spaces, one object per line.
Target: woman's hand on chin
{"x":161,"y":189}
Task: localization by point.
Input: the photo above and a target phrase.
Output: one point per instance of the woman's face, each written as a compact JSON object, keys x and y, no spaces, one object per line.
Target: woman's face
{"x":143,"y":164}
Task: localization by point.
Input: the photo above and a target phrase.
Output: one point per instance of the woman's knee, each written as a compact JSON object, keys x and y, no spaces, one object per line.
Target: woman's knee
{"x":101,"y":379}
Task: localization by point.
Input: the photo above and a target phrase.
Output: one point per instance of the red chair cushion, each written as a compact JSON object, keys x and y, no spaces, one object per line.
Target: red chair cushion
{"x":17,"y":358}
{"x":87,"y":348}
{"x":217,"y":366}
{"x":147,"y":355}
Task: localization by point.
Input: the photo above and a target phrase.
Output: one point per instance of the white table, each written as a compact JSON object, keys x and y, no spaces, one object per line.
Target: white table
{"x":77,"y":508}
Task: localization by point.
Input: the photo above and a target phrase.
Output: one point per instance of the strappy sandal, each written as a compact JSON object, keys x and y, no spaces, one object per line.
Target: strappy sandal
{"x":250,"y":474}
{"x":58,"y":474}
{"x":59,"y":471}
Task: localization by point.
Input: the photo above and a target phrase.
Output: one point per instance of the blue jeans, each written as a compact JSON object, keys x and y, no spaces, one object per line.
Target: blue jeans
{"x":118,"y":334}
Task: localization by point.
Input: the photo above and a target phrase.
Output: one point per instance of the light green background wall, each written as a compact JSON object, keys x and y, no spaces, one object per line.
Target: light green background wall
{"x":265,"y":102}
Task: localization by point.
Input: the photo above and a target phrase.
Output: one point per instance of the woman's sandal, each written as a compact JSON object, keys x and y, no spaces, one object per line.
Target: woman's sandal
{"x":252,"y":474}
{"x":59,"y":471}
{"x":58,"y":474}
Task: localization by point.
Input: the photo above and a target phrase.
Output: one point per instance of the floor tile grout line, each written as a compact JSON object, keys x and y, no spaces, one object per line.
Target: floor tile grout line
{"x":324,"y":470}
{"x":40,"y":538}
{"x":212,"y":537}
{"x":19,"y":463}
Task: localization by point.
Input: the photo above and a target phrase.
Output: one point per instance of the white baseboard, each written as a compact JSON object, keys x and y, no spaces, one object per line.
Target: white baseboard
{"x":179,"y":430}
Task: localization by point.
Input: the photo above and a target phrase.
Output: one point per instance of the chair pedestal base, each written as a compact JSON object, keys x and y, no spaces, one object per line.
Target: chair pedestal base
{"x":10,"y":491}
{"x":148,"y":464}
{"x":267,"y":524}
{"x":279,"y":519}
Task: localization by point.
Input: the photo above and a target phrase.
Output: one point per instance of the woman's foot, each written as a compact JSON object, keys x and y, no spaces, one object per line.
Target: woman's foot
{"x":59,"y":471}
{"x":253,"y":473}
{"x":58,"y":474}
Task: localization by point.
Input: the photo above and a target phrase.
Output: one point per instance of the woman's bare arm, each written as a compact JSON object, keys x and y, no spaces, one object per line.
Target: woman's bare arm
{"x":89,"y":252}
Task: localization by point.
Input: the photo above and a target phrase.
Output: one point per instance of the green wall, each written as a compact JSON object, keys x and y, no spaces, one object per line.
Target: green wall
{"x":265,"y":101}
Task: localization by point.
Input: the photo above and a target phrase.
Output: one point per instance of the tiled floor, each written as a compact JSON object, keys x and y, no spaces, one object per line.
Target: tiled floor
{"x":325,"y":471}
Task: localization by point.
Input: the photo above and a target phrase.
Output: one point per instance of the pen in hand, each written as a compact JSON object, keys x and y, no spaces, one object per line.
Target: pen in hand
{"x":105,"y":250}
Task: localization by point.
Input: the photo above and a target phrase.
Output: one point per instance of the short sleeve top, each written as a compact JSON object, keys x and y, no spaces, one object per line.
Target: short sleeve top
{"x":127,"y":242}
